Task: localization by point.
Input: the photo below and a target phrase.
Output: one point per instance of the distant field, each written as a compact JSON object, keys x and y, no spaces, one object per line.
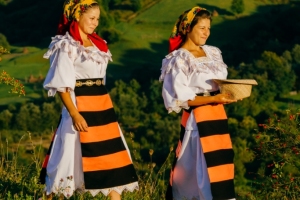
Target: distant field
{"x":145,"y":43}
{"x":146,"y":36}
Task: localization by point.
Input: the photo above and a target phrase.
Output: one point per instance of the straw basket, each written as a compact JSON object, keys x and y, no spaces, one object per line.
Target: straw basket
{"x":237,"y":88}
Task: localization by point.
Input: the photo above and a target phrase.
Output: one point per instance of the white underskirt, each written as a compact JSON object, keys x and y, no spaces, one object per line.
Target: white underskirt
{"x":64,"y":169}
{"x":190,"y":176}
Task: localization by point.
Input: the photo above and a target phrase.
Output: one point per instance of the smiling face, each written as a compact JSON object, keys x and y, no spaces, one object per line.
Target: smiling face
{"x":200,"y":32}
{"x":89,"y":20}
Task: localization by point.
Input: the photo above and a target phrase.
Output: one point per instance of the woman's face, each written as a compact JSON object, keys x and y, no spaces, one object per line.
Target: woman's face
{"x":200,"y":32}
{"x":89,"y":20}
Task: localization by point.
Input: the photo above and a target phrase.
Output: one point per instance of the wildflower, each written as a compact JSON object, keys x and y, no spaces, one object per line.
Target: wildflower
{"x":153,"y":165}
{"x":274,"y":176}
{"x":151,"y":151}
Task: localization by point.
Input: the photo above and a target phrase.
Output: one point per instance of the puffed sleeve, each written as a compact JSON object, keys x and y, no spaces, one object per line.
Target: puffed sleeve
{"x":176,"y":91}
{"x":61,"y":75}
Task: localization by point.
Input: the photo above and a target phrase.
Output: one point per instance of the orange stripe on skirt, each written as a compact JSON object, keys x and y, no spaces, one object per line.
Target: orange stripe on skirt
{"x":94,"y":103}
{"x":107,"y":162}
{"x":216,"y":142}
{"x":209,"y":113}
{"x":221,"y":173}
{"x":100,"y":133}
{"x":46,"y":160}
{"x":184,"y":118}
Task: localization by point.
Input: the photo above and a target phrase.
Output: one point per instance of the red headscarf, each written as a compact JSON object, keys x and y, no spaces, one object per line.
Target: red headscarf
{"x":73,"y":9}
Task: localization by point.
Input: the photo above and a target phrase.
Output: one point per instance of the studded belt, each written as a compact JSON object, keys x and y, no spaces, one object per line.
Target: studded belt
{"x":97,"y":82}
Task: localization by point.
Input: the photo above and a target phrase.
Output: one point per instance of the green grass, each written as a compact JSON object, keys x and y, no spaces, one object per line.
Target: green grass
{"x":144,"y":42}
{"x":19,"y":181}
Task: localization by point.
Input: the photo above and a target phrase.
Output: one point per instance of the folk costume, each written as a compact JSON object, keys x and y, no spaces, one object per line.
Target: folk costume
{"x":203,"y":168}
{"x":94,"y":161}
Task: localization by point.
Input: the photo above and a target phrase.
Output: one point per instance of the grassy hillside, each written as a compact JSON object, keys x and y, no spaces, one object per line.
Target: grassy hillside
{"x":143,"y":45}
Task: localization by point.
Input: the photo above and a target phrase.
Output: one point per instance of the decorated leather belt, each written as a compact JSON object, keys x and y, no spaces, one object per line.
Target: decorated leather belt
{"x":206,"y":93}
{"x":97,"y":82}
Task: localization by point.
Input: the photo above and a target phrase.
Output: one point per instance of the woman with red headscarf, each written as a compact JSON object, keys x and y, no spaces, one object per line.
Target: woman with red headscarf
{"x":203,"y":167}
{"x":88,"y":151}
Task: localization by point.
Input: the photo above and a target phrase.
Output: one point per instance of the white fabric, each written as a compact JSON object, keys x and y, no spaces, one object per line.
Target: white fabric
{"x":70,"y":61}
{"x":183,"y":77}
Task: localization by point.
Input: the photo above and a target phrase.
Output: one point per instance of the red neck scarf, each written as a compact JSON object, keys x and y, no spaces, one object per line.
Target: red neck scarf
{"x":72,"y":27}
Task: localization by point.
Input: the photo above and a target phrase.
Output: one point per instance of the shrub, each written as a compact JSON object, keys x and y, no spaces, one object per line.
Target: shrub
{"x":3,"y":42}
{"x":278,"y":146}
{"x":136,"y":5}
{"x":111,"y":35}
{"x":5,"y":78}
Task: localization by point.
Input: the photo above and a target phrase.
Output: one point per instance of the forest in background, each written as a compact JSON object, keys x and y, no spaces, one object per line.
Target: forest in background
{"x":262,"y":43}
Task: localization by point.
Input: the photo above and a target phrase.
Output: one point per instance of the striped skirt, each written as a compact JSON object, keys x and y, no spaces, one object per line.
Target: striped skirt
{"x":106,"y":162}
{"x":215,"y":147}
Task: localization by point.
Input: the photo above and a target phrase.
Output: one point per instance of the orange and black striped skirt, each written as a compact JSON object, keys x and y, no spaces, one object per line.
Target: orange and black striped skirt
{"x":217,"y":148}
{"x":106,"y":161}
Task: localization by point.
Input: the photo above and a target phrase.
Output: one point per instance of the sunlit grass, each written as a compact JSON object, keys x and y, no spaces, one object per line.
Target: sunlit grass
{"x":19,"y":181}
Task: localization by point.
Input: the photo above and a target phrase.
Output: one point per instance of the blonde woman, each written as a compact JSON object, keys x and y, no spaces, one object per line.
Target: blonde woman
{"x":88,"y":152}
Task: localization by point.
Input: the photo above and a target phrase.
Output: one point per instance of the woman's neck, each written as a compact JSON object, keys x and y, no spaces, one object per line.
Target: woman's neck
{"x":196,"y":50}
{"x":85,"y":40}
{"x":190,"y":45}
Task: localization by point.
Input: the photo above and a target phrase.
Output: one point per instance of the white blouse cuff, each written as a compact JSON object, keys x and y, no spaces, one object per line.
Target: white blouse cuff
{"x":178,"y":106}
{"x":52,"y":91}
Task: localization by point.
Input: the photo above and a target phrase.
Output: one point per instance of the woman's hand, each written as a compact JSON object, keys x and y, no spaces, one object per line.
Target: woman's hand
{"x":223,"y":99}
{"x":79,"y":123}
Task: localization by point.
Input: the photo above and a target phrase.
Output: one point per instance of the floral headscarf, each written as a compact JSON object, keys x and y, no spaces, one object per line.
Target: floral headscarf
{"x":182,"y":26}
{"x":73,"y":9}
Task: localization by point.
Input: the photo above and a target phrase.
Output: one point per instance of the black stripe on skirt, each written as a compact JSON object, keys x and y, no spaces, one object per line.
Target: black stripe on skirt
{"x":102,"y":148}
{"x":215,"y":127}
{"x":110,"y":178}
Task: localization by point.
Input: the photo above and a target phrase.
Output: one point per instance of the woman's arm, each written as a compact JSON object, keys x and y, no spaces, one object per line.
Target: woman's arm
{"x":202,"y":100}
{"x":78,"y":121}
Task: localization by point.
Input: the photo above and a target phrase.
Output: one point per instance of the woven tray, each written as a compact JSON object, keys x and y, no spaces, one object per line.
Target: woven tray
{"x":236,"y":88}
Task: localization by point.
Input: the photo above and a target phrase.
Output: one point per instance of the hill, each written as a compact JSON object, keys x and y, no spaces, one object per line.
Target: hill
{"x":143,"y":44}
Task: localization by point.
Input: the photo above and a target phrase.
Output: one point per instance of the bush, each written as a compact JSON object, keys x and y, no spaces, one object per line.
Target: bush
{"x":278,"y":146}
{"x":136,"y":5}
{"x":3,"y":42}
{"x":111,"y":35}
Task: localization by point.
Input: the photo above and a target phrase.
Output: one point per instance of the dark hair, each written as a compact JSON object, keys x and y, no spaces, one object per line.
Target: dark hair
{"x":202,"y":14}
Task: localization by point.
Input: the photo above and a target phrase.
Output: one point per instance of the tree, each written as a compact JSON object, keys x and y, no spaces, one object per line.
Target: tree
{"x":136,"y":5}
{"x":5,"y":119}
{"x":3,"y":41}
{"x":237,"y":6}
{"x":279,"y":72}
{"x":28,"y":118}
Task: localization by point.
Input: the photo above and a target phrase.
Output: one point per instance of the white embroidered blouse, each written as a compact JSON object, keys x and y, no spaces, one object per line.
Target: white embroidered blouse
{"x":69,"y":61}
{"x":184,"y":76}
